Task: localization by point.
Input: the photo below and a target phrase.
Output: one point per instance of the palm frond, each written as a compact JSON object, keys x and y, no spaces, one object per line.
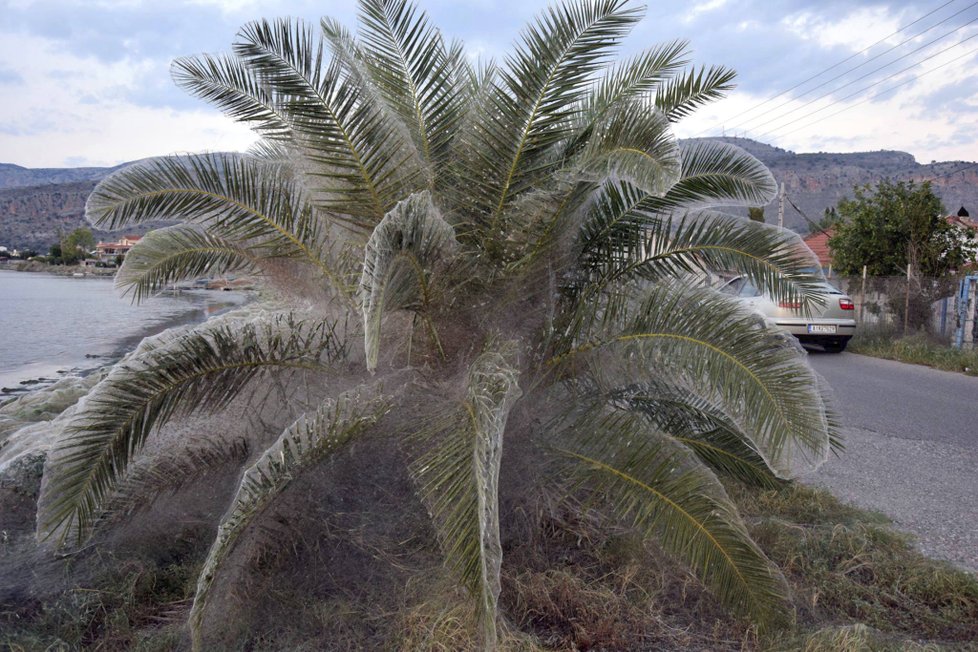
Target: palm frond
{"x":203,"y":369}
{"x":268,"y":150}
{"x":695,"y":423}
{"x":460,"y":480}
{"x":709,"y":343}
{"x":398,"y":264}
{"x":178,"y":253}
{"x":633,"y":142}
{"x":666,"y":493}
{"x":415,"y":71}
{"x":365,"y":162}
{"x":171,"y":471}
{"x":716,"y":174}
{"x":622,"y":243}
{"x":235,"y":197}
{"x":634,"y":78}
{"x":229,"y":85}
{"x":311,"y":439}
{"x":528,"y":110}
{"x":680,"y":96}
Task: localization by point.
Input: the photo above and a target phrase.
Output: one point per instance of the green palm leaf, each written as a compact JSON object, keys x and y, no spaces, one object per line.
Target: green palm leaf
{"x":637,"y":77}
{"x":460,"y":480}
{"x":311,"y":439}
{"x":633,"y":142}
{"x":666,"y":493}
{"x":716,"y":174}
{"x":229,"y":85}
{"x":623,"y":242}
{"x":528,"y":110}
{"x":707,"y":341}
{"x":203,"y":369}
{"x":415,"y":71}
{"x":365,"y":162}
{"x":177,"y":253}
{"x":697,"y":424}
{"x":680,"y":96}
{"x":399,"y":262}
{"x":235,"y":197}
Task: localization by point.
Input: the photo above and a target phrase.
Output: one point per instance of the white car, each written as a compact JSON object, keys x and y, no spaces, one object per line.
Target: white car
{"x":829,"y":326}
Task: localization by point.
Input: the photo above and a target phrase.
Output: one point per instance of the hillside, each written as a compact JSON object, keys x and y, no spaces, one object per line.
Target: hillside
{"x":15,"y":176}
{"x":816,"y":181}
{"x":36,"y":203}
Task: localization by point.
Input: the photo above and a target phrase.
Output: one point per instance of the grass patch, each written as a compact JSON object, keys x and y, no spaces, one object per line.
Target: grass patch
{"x":572,"y":580}
{"x":849,"y":569}
{"x":134,"y":605}
{"x":915,"y":349}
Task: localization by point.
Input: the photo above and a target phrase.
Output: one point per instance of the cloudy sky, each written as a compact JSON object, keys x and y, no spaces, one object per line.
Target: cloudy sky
{"x":86,"y":82}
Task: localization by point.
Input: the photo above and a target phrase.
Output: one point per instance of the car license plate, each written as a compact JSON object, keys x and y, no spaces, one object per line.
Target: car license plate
{"x":822,"y":328}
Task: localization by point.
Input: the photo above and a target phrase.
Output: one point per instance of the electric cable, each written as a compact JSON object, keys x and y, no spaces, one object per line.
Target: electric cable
{"x":871,"y":73}
{"x":836,"y":65}
{"x":868,"y":99}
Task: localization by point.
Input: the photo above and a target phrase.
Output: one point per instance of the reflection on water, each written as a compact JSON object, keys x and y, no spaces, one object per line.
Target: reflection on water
{"x":51,"y":323}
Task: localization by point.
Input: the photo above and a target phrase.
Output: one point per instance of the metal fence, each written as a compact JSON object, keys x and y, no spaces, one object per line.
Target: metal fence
{"x":941,"y":308}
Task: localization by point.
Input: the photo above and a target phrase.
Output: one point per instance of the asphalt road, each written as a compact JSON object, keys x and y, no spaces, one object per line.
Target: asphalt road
{"x":911,"y":449}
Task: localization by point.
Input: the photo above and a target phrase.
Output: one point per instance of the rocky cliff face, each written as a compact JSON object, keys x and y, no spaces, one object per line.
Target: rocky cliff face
{"x":33,"y":217}
{"x":819,"y":180}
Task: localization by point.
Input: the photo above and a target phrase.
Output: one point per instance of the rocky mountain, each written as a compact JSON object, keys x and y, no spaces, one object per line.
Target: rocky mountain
{"x":37,"y":204}
{"x":15,"y":176}
{"x":816,"y":181}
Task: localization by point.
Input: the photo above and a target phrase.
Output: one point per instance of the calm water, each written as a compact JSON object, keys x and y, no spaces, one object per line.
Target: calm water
{"x":51,"y":323}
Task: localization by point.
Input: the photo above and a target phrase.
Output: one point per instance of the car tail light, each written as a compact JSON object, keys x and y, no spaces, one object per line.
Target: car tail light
{"x":791,"y":305}
{"x":847,"y":304}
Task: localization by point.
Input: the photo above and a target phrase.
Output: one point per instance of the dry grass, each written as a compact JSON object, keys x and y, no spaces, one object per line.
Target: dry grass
{"x":572,"y":580}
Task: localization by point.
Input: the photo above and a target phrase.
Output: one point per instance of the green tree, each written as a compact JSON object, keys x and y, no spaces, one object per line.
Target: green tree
{"x":76,"y":245}
{"x":756,"y":213}
{"x":896,"y":224}
{"x":520,"y":249}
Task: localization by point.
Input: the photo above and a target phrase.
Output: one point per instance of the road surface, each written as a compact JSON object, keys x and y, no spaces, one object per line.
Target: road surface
{"x":911,"y":449}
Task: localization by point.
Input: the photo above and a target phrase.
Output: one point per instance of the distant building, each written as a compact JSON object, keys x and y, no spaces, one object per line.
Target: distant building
{"x":962,"y":219}
{"x":108,"y":251}
{"x":818,"y":242}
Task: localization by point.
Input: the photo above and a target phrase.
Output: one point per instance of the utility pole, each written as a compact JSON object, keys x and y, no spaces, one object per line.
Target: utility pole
{"x":781,"y":207}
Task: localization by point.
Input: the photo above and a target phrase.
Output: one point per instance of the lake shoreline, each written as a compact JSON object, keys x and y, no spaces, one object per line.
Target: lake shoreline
{"x":32,"y":360}
{"x":32,"y":266}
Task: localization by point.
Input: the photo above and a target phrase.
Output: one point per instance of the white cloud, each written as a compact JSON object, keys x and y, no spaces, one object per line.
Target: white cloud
{"x":701,"y":8}
{"x":69,"y":107}
{"x":857,"y":30}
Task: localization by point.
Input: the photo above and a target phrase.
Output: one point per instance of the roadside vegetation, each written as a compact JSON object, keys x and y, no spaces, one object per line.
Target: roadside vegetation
{"x":914,"y":349}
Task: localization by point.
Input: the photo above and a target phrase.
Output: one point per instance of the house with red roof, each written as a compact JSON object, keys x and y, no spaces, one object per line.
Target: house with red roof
{"x":818,"y":242}
{"x":109,"y":251}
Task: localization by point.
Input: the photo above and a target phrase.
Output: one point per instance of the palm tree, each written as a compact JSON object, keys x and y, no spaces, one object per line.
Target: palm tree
{"x":522,"y":247}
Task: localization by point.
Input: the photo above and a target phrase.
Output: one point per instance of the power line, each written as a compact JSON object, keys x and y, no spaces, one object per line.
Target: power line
{"x":836,"y":65}
{"x":811,"y":222}
{"x":869,"y":74}
{"x":868,"y":99}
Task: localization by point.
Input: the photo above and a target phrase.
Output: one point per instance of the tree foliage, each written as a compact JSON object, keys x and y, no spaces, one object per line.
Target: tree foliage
{"x":76,"y":245}
{"x":895,"y":224}
{"x":519,"y":245}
